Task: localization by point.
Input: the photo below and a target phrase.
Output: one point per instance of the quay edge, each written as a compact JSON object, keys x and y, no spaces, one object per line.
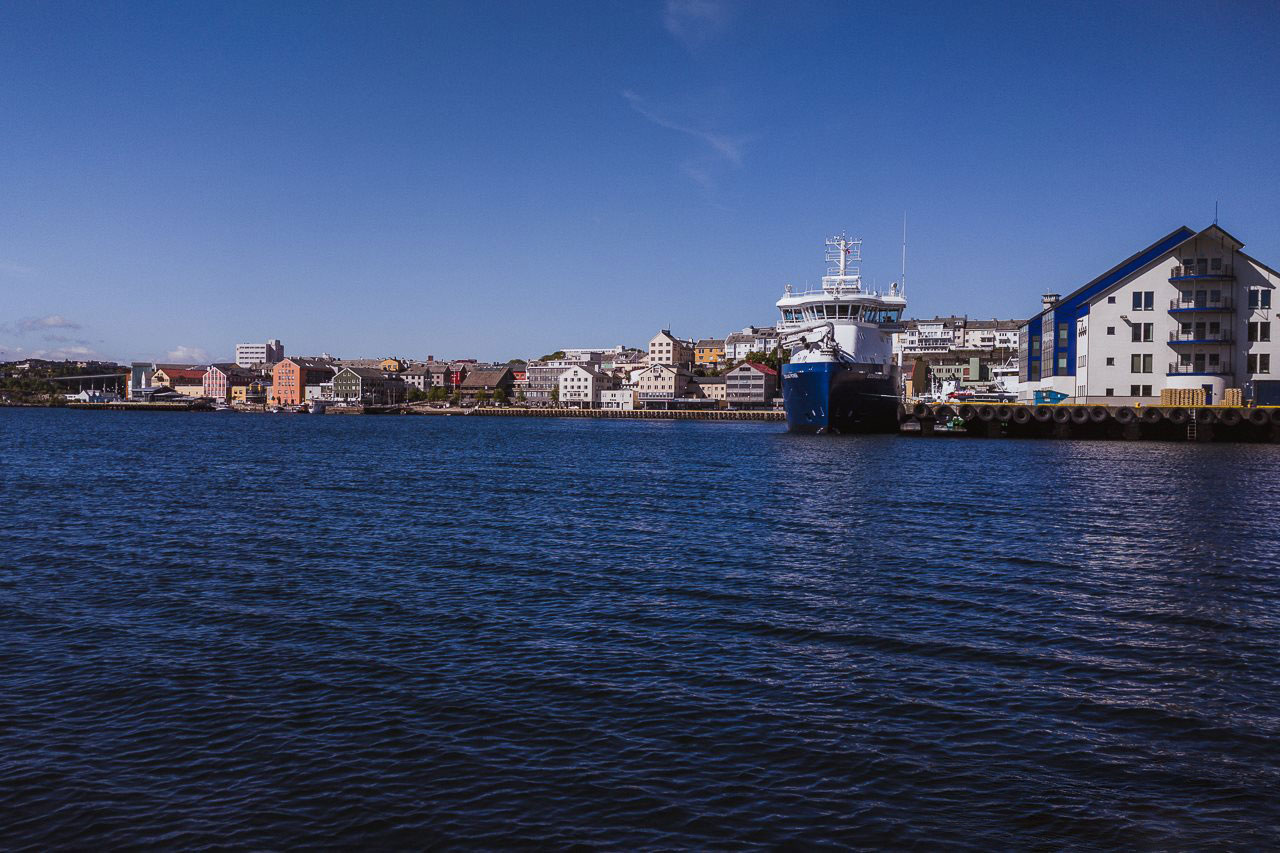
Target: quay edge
{"x":1094,"y":421}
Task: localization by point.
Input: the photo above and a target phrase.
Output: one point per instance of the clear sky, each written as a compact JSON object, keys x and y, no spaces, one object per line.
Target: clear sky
{"x":503,"y":179}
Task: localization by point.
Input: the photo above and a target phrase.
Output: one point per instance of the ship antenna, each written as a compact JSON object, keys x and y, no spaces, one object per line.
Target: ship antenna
{"x":902,"y":287}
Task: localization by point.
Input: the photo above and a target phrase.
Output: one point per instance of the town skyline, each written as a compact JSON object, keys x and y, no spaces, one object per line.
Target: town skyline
{"x":183,"y":179}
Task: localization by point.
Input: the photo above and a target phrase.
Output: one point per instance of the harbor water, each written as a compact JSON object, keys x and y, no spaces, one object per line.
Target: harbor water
{"x":271,"y":631}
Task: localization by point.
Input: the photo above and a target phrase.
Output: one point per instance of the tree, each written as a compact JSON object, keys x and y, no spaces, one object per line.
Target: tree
{"x":499,"y":395}
{"x":514,"y":361}
{"x":519,"y":395}
{"x":437,"y":394}
{"x":555,"y":393}
{"x":455,"y":398}
{"x":415,"y":395}
{"x":553,"y":356}
{"x":774,"y":358}
{"x":483,"y":396}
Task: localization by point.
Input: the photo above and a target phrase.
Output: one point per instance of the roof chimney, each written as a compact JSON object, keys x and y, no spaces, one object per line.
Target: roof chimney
{"x":1049,"y":300}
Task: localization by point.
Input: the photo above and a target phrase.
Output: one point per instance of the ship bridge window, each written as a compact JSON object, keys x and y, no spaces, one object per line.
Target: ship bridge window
{"x":842,"y":312}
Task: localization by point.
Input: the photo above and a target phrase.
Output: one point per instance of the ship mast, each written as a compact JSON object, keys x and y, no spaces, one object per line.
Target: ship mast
{"x":843,"y":255}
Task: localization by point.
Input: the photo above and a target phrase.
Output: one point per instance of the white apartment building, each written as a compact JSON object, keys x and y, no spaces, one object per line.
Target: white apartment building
{"x":942,"y":335}
{"x":248,"y":355}
{"x":581,"y":387}
{"x":660,"y":384}
{"x":1189,"y":311}
{"x":542,"y":377}
{"x":666,"y":348}
{"x":748,"y":340}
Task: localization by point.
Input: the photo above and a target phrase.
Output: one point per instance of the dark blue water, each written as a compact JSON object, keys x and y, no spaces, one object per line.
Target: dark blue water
{"x":272,"y":631}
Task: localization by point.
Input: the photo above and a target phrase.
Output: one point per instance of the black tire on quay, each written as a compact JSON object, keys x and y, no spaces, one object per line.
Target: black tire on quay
{"x":1228,"y":417}
{"x":1061,"y":415}
{"x":1125,"y":415}
{"x":1043,"y":414}
{"x":1152,"y":415}
{"x":1099,"y":414}
{"x":1004,"y":413}
{"x":1176,"y":416}
{"x":1257,"y":417}
{"x":1079,"y":415}
{"x":1021,"y":415}
{"x":986,"y":414}
{"x":920,"y":410}
{"x":1206,"y":416}
{"x":968,"y":413}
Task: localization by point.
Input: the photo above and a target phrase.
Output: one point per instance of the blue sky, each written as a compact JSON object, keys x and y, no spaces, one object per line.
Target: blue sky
{"x":504,"y":179}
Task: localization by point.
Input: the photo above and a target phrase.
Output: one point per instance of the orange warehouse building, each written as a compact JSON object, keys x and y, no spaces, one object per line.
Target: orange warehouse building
{"x":291,"y":377}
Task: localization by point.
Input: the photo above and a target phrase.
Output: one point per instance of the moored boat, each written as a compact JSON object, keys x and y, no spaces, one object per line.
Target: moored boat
{"x":841,"y":377}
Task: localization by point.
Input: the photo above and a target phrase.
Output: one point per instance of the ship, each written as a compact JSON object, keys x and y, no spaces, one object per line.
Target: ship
{"x":841,"y":376}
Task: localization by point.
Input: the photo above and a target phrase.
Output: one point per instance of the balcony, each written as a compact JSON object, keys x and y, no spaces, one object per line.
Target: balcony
{"x":1178,"y":368}
{"x":1223,"y":304}
{"x":1190,"y":273}
{"x":1223,"y":337}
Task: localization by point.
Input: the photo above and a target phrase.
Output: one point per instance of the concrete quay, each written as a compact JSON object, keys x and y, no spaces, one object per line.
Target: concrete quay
{"x":1073,"y":421}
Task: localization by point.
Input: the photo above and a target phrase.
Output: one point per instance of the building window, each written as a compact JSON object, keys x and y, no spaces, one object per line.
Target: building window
{"x":1146,"y":390}
{"x":1135,"y":390}
{"x":1111,"y":330}
{"x":1111,"y":300}
{"x":1111,"y":362}
{"x":1215,"y":264}
{"x":1264,"y":362}
{"x":1110,"y":392}
{"x":1140,"y":363}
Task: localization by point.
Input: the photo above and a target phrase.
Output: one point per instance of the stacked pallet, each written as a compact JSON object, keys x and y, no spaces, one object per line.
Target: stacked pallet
{"x":1187,"y":398}
{"x":1233,"y":397}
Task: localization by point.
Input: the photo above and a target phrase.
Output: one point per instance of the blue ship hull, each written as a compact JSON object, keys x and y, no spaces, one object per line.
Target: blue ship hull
{"x":829,"y":397}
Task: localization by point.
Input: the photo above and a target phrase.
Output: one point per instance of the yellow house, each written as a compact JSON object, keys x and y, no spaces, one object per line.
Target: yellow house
{"x":709,"y":352}
{"x":255,"y":392}
{"x":391,"y":365}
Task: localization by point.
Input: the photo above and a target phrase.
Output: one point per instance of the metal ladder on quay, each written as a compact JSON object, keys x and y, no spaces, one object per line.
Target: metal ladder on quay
{"x":1192,"y":431}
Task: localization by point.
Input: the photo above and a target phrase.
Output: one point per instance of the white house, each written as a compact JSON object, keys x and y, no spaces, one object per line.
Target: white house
{"x":580,"y":387}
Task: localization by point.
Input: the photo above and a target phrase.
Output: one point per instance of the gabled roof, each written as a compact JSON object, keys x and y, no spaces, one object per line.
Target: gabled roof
{"x":763,"y":368}
{"x":364,"y":372}
{"x":1130,"y":265}
{"x":193,"y":373}
{"x":309,"y":363}
{"x":484,"y":377}
{"x":710,"y":342}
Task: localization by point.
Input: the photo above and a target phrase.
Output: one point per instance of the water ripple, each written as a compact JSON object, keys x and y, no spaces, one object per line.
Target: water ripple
{"x":235,"y":631}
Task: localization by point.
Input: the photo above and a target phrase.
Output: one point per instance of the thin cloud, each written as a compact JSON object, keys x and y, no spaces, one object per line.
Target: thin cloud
{"x":726,"y":146}
{"x":695,"y":22}
{"x":187,"y":355}
{"x":45,"y":323}
{"x":16,"y":270}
